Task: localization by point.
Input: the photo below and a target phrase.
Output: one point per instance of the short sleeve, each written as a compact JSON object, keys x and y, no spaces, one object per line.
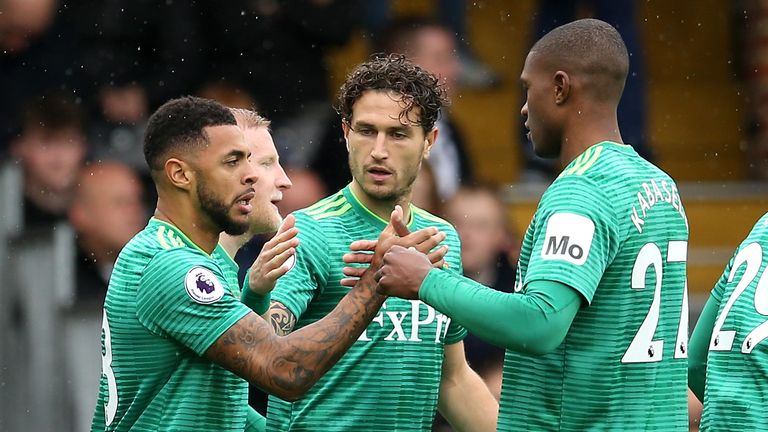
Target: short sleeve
{"x":575,"y":236}
{"x":456,"y":332}
{"x":182,"y":295}
{"x":299,"y":286}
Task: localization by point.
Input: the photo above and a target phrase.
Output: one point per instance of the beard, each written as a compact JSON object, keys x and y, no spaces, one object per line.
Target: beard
{"x":218,"y":211}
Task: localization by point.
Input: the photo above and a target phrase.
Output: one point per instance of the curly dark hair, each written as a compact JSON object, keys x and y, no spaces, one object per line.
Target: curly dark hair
{"x":179,"y":123}
{"x":394,"y":72}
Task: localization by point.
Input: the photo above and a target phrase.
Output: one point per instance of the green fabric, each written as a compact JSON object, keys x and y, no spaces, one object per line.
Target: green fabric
{"x":167,"y":302}
{"x":613,"y":227}
{"x":256,"y":302}
{"x":547,"y":308}
{"x":699,"y":345}
{"x":389,"y":379}
{"x":736,"y":365}
{"x":255,"y":422}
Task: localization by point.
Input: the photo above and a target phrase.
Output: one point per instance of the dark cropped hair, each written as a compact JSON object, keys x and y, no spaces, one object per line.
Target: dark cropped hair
{"x":179,"y":124}
{"x":394,"y":72}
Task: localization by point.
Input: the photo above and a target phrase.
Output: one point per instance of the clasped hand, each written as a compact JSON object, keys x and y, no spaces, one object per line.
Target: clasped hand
{"x":395,"y":245}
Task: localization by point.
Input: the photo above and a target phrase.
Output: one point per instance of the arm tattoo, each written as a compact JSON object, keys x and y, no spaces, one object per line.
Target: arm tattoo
{"x":287,"y":366}
{"x":281,"y":318}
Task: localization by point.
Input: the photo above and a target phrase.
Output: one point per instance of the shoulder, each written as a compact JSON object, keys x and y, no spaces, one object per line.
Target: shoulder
{"x":423,"y":218}
{"x":331,"y":207}
{"x":180,"y":260}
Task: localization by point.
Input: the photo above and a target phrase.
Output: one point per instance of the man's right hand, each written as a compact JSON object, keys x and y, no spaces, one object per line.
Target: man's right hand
{"x":273,"y":261}
{"x":396,"y":233}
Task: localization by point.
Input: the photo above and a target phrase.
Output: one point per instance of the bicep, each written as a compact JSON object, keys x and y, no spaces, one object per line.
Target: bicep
{"x":280,"y":317}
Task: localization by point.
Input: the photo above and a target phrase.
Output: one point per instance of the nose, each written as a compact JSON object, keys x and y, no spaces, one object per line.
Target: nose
{"x":282,"y":181}
{"x":379,"y":150}
{"x":250,"y":177}
{"x":524,"y":110}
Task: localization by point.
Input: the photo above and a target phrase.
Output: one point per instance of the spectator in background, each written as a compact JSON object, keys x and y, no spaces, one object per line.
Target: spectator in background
{"x":424,"y":191}
{"x":107,"y":211}
{"x":430,"y":45}
{"x":452,"y":15}
{"x":137,"y":54}
{"x":51,"y":150}
{"x":276,"y":51}
{"x":480,"y":219}
{"x":633,"y":104}
{"x":38,"y":54}
{"x":227,"y":94}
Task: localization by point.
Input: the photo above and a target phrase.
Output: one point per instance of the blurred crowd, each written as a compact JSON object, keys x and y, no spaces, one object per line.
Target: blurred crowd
{"x":79,"y":80}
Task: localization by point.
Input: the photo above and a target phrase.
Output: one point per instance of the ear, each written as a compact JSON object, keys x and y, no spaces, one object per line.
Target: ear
{"x":429,"y":141}
{"x":179,"y":173}
{"x":345,"y":128}
{"x":562,"y":87}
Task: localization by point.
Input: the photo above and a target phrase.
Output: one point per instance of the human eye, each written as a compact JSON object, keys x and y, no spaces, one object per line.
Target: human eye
{"x":365,"y":131}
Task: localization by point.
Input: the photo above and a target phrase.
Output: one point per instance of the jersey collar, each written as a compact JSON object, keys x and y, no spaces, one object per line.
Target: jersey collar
{"x":367,"y":214}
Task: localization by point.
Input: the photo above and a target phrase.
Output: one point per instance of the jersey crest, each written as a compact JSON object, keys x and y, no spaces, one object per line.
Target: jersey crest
{"x":203,"y":286}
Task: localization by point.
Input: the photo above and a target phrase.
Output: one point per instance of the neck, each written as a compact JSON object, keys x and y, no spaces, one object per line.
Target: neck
{"x":232,"y":244}
{"x":383,"y":208}
{"x":587,"y":129}
{"x":189,"y":221}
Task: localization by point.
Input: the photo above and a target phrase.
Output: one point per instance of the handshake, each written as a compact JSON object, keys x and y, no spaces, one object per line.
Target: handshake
{"x":400,"y":259}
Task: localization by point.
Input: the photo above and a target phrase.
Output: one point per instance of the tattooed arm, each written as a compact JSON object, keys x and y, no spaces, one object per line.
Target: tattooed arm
{"x":281,"y":318}
{"x":288,"y":366}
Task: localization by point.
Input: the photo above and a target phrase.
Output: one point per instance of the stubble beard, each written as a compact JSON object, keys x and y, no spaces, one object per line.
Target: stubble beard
{"x":218,"y":212}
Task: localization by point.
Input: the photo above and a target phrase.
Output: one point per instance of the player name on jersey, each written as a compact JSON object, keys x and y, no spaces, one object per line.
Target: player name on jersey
{"x":655,"y":192}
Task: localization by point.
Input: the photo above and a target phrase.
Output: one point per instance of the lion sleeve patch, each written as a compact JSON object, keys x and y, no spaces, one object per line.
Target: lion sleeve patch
{"x":203,"y":286}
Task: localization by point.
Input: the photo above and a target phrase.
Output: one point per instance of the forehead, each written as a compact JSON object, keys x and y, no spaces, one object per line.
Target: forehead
{"x":224,"y":139}
{"x":381,"y":107}
{"x":259,"y":141}
{"x":535,"y":66}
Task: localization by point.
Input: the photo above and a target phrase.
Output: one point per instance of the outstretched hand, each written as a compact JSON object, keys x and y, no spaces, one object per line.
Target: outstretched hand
{"x":275,"y":259}
{"x":402,"y":272}
{"x":396,"y":232}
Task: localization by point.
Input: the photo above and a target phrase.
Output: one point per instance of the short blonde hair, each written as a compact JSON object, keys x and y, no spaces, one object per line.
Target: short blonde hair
{"x":249,"y":119}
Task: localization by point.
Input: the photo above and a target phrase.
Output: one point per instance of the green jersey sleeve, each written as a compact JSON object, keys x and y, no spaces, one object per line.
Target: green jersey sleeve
{"x":300,"y":285}
{"x":575,"y":236}
{"x":182,"y":295}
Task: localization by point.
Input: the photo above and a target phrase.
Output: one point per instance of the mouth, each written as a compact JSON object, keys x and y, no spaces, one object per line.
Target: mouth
{"x":244,"y":201}
{"x":379,"y":173}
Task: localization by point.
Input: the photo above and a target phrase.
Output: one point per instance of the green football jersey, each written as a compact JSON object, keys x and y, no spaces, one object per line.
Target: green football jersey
{"x":389,"y":379}
{"x":737,"y":362}
{"x":167,"y":303}
{"x":612,"y":227}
